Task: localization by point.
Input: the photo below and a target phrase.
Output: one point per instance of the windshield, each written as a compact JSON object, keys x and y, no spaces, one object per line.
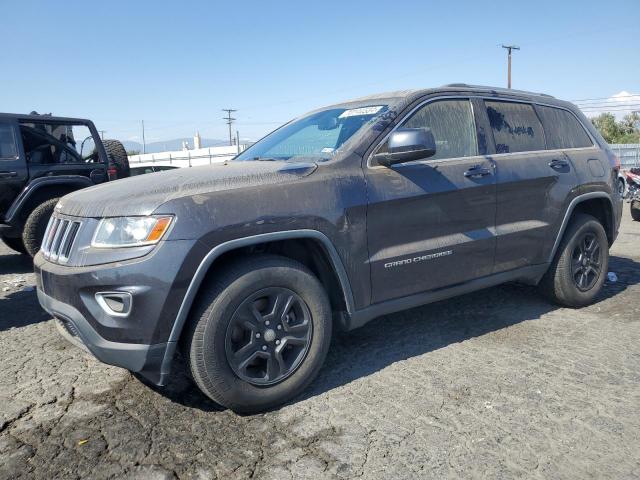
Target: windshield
{"x":318,"y":135}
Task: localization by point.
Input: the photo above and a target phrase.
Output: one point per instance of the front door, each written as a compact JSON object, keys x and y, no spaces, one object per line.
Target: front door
{"x":13,"y":167}
{"x":430,"y":222}
{"x":58,"y":148}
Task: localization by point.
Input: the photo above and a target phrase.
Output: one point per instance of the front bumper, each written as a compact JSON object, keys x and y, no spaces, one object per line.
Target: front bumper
{"x":145,"y":359}
{"x":137,"y":341}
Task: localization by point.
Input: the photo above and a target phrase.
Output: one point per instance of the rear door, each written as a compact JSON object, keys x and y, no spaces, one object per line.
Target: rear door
{"x":533,"y":183}
{"x":13,"y":167}
{"x":430,"y":222}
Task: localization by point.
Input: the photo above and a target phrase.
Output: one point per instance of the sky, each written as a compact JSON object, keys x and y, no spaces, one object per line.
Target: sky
{"x":177,"y":64}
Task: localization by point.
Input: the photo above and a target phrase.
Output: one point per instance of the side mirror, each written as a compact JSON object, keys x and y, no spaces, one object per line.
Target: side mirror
{"x":407,"y":144}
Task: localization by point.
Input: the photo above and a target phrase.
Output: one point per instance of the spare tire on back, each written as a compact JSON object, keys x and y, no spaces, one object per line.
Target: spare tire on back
{"x":118,"y":157}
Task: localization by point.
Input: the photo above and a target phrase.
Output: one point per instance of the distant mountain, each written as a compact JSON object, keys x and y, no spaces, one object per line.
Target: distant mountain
{"x":171,"y":145}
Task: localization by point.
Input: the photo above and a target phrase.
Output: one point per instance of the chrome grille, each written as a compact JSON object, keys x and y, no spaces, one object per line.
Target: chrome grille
{"x":58,"y":239}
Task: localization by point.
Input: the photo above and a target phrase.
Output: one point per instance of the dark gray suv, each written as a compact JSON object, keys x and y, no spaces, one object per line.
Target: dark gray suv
{"x":342,"y":215}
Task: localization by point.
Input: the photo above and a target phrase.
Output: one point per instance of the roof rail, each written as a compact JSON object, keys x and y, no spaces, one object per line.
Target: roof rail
{"x":496,"y":89}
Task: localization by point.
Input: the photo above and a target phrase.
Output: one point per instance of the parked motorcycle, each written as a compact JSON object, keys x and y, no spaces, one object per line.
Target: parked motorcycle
{"x":633,"y":192}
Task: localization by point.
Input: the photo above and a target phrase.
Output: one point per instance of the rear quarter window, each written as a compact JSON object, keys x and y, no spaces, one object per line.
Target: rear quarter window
{"x":562,"y":129}
{"x":515,"y":127}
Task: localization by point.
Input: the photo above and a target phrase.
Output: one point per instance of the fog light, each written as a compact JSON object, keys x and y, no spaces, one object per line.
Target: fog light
{"x":116,"y":304}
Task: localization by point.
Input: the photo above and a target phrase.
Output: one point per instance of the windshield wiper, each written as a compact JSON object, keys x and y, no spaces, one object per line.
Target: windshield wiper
{"x":266,"y":159}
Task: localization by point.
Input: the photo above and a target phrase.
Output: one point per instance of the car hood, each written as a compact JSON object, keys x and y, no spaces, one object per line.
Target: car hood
{"x":143,"y":194}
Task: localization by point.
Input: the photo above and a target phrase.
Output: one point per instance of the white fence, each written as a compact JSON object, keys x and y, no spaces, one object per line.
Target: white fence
{"x":628,"y":153}
{"x":187,"y":158}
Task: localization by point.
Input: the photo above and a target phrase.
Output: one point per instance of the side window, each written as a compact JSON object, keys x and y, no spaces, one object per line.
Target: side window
{"x":515,"y":126}
{"x":8,"y":147}
{"x":452,"y":125}
{"x":562,"y":129}
{"x":58,"y":143}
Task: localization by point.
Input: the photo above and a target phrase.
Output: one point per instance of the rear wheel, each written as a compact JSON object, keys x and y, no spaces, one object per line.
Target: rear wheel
{"x":635,"y":210}
{"x":577,"y":273}
{"x":259,"y":334}
{"x":117,"y":156}
{"x":36,"y":224}
{"x":14,"y":244}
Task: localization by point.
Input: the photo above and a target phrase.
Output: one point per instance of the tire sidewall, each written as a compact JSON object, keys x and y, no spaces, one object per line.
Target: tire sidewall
{"x":36,"y":225}
{"x":575,"y":296}
{"x":219,"y":378}
{"x":635,"y":210}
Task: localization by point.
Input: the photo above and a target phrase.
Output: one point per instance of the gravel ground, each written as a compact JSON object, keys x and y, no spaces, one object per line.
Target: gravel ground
{"x":496,"y":384}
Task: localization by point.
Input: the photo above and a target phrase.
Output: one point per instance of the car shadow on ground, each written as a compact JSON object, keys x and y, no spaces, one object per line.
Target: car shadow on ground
{"x":13,"y":264}
{"x":415,"y":332}
{"x":380,"y":343}
{"x":20,"y":309}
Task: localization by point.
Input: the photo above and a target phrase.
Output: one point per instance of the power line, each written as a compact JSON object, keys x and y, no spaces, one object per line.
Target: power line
{"x":606,"y":98}
{"x":613,"y":105}
{"x":614,"y":109}
{"x":230,"y":121}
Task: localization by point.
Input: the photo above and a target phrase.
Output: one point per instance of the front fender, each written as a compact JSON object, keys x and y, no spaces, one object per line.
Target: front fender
{"x":74,"y":181}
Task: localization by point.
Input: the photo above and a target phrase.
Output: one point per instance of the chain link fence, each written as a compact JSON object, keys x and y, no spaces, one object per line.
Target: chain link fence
{"x":628,"y":153}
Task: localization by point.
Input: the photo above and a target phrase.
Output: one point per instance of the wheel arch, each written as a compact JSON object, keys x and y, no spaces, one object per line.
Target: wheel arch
{"x":42,"y":189}
{"x":597,"y":204}
{"x":329,"y":263}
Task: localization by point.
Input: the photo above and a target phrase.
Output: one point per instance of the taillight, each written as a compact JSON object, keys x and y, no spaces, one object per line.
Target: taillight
{"x":614,"y":160}
{"x":113,"y":173}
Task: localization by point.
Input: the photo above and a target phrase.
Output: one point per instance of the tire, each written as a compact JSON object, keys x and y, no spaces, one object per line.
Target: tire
{"x":635,"y":210}
{"x":560,"y":283}
{"x":209,"y":342}
{"x":622,"y":186}
{"x":118,"y":156}
{"x":15,"y":244}
{"x":36,"y":224}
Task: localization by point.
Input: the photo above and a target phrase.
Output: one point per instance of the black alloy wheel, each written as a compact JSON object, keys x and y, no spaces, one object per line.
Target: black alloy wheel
{"x":586,"y":262}
{"x":268,"y":336}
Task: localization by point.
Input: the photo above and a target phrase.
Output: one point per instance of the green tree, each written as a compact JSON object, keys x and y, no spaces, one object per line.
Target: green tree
{"x":607,"y":126}
{"x":626,"y":130}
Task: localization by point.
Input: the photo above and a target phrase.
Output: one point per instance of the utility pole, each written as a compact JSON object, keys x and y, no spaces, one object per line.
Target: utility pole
{"x":144,"y":143}
{"x":230,"y":121}
{"x":509,"y":48}
{"x":102,"y":134}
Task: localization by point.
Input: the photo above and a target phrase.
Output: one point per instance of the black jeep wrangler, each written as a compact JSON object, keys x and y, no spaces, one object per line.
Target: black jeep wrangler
{"x":345,"y":214}
{"x":43,"y":158}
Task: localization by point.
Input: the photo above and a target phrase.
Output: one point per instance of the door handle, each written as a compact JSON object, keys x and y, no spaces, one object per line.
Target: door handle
{"x":477,"y":172}
{"x":8,"y":174}
{"x":559,"y":164}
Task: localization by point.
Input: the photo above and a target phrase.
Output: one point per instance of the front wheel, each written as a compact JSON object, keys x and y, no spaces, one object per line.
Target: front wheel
{"x":259,"y":333}
{"x":579,"y":269}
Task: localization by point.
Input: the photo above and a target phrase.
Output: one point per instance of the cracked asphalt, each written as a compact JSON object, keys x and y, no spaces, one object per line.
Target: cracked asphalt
{"x":496,"y":384}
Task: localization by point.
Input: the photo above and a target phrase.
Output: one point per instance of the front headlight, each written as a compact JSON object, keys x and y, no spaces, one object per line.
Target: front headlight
{"x":130,"y":231}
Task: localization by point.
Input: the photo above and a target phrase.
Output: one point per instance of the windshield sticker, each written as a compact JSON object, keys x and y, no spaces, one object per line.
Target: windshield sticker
{"x":354,"y":112}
